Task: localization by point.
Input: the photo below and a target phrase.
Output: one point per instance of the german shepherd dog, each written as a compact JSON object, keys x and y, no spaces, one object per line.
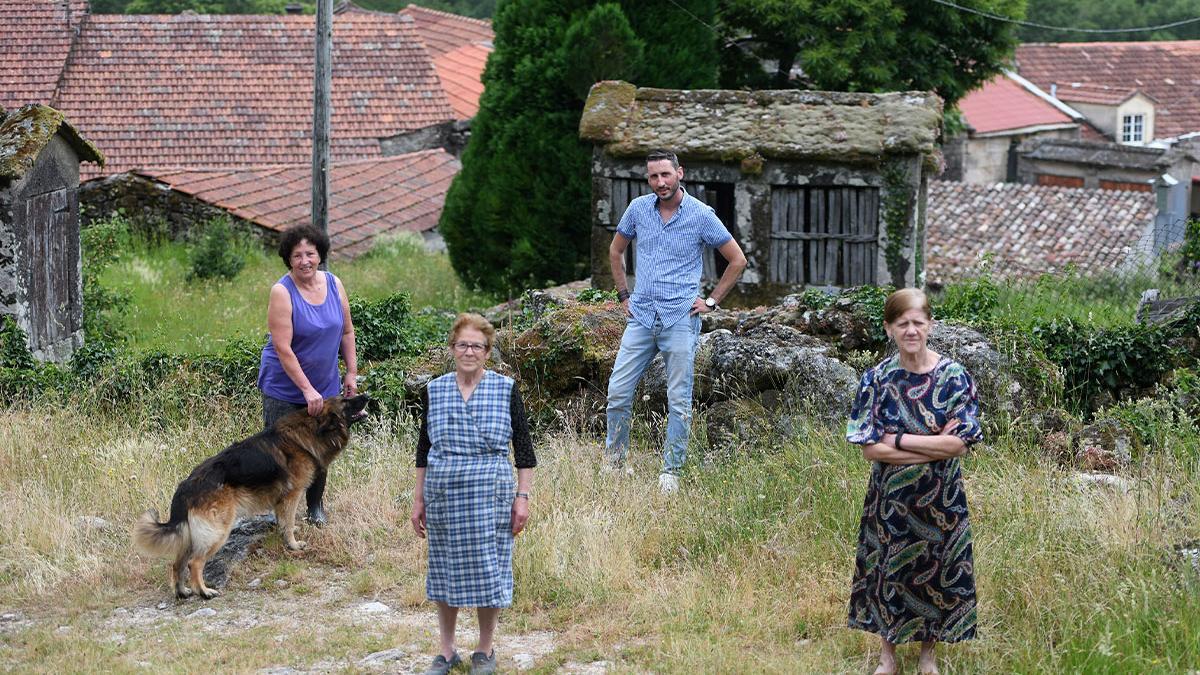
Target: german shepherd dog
{"x":269,"y":470}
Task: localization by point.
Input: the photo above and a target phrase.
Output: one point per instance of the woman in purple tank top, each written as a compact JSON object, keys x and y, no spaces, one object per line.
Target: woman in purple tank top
{"x":308,"y":317}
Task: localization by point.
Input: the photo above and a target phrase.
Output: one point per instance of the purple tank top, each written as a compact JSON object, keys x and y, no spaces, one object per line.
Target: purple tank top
{"x":316,"y":340}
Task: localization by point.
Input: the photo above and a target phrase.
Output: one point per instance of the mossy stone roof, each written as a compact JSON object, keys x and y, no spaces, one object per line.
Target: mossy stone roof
{"x":784,"y":125}
{"x":26,"y":130}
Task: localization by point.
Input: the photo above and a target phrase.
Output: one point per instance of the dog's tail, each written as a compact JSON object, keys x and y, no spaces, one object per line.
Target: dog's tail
{"x":165,"y":540}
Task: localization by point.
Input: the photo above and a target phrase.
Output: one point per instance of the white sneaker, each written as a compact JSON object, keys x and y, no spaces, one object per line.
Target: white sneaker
{"x":667,"y":483}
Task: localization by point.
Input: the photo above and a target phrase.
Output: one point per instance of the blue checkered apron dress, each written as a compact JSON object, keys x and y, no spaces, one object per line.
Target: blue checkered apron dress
{"x":469,"y":491}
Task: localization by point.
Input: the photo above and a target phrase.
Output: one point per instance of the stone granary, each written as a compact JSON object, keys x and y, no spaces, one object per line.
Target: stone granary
{"x":41,"y":283}
{"x":821,"y":189}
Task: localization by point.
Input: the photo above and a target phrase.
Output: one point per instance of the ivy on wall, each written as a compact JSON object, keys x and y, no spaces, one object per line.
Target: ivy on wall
{"x":894,"y":212}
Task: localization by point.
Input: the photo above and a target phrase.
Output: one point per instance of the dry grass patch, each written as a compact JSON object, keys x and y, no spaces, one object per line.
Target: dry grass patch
{"x":747,"y":568}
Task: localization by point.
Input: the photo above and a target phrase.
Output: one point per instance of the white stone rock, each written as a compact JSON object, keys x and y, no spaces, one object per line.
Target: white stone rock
{"x":92,"y":523}
{"x":255,"y":582}
{"x":523,"y":661}
{"x":1086,"y":479}
{"x":373,"y":608}
{"x":379,"y":658}
{"x":161,"y":605}
{"x":202,"y":613}
{"x":281,"y":583}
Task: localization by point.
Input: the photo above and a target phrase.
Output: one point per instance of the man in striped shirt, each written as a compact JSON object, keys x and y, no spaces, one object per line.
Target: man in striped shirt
{"x":672,"y":229}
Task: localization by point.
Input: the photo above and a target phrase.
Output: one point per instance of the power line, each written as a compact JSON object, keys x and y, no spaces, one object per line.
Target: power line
{"x":715,"y":32}
{"x":1032,"y":24}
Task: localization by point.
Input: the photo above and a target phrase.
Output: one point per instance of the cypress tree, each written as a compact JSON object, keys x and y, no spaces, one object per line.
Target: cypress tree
{"x":518,"y":214}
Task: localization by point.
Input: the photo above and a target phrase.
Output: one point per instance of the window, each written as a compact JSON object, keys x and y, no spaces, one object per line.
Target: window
{"x":1133,"y":128}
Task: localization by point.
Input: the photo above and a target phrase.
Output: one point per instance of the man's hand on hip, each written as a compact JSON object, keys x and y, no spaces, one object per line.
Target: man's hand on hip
{"x":699,"y":307}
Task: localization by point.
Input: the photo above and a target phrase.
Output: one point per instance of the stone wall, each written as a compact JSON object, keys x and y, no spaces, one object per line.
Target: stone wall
{"x":451,"y":136}
{"x":156,"y":207}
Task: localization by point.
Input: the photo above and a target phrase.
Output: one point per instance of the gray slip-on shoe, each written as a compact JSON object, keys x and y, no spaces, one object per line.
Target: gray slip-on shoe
{"x":441,"y":666}
{"x":483,"y":664}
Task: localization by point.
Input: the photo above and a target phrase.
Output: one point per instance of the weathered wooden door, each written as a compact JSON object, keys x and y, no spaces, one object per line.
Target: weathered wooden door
{"x":51,"y":265}
{"x":824,"y":236}
{"x":720,"y":197}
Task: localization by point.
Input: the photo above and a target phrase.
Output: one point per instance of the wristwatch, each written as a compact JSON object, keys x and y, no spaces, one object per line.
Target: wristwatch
{"x":710,"y":302}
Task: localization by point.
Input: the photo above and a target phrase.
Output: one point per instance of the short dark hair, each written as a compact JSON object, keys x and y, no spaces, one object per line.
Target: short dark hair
{"x":298,"y":233}
{"x":659,"y":155}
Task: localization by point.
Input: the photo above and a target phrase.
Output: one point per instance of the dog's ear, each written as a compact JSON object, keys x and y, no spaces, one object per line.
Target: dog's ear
{"x":330,"y":419}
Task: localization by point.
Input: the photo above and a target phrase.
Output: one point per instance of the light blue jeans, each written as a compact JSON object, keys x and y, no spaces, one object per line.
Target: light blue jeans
{"x":638,"y":347}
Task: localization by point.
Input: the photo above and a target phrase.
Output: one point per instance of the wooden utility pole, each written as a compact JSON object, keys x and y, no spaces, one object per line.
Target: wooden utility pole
{"x":321,"y":87}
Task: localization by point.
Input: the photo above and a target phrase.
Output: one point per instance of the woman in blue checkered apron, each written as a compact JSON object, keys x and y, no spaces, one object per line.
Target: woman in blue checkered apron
{"x":466,"y":502}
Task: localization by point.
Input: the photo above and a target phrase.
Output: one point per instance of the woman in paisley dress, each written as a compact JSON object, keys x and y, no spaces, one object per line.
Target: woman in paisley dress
{"x":914,"y":416}
{"x":466,"y":503}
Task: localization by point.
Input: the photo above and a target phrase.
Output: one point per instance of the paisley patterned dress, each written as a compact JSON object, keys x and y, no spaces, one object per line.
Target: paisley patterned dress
{"x":914,"y":571}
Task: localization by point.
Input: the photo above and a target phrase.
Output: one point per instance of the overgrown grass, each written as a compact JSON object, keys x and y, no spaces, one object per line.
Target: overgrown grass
{"x":169,"y":312}
{"x":1103,"y":300}
{"x":745,"y":570}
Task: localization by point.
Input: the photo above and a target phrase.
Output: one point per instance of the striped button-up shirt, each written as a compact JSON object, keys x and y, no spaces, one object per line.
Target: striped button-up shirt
{"x":669,"y":256}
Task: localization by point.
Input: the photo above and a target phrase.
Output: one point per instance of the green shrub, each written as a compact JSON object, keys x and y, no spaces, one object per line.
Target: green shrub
{"x":973,"y":301}
{"x":868,"y":302}
{"x":219,"y":252}
{"x":14,"y":345}
{"x":596,"y":295}
{"x":102,"y":243}
{"x":1118,"y":360}
{"x":388,"y":328}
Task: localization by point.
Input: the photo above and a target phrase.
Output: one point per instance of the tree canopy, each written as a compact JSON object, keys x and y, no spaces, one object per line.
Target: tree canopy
{"x":865,"y":45}
{"x":1110,"y":14}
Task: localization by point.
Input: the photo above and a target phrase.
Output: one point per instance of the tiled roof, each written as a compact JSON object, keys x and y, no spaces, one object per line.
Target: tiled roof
{"x":460,"y":48}
{"x":1031,"y":229}
{"x":444,"y":32}
{"x":35,"y":38}
{"x":1003,"y":105}
{"x":1085,"y":92}
{"x":1167,"y":71}
{"x":367,"y":198}
{"x":461,"y":71}
{"x":219,"y":91}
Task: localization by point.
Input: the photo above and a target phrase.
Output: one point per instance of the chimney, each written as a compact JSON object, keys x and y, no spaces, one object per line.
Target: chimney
{"x":293,"y":8}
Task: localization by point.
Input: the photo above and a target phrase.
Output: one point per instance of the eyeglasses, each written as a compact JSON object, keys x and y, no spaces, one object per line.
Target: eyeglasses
{"x":469,"y":347}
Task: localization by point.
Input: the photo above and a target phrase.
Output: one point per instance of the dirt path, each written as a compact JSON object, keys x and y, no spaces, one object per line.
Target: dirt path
{"x":314,"y":616}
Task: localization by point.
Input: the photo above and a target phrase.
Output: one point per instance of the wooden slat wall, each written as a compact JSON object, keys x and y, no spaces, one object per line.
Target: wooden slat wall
{"x":624,"y":191}
{"x":823,"y":236}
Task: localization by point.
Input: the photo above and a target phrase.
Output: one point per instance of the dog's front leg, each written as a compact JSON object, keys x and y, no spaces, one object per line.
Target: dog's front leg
{"x":287,"y":519}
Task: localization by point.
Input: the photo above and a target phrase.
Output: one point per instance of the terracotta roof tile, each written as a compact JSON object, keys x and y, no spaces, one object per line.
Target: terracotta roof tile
{"x":1002,"y":105}
{"x":461,"y":72}
{"x":237,"y":90}
{"x":444,"y":32}
{"x":1169,"y":72}
{"x":366,"y":197}
{"x":35,"y":38}
{"x":1031,"y":229}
